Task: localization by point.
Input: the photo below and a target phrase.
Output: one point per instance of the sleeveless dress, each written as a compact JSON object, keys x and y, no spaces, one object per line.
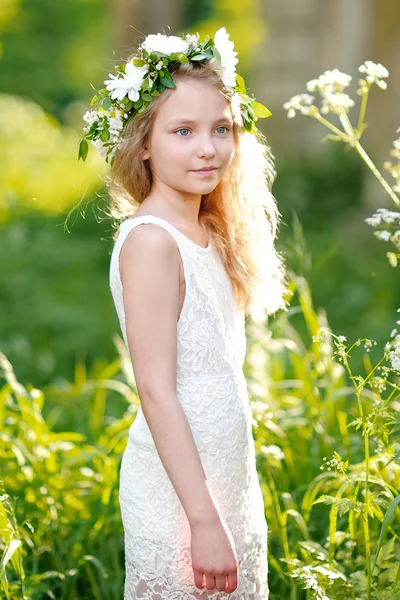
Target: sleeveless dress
{"x":211,"y":387}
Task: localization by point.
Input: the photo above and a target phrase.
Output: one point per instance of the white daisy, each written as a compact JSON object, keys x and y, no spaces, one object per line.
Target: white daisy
{"x":130,"y":83}
{"x":166,"y":44}
{"x":227,"y":68}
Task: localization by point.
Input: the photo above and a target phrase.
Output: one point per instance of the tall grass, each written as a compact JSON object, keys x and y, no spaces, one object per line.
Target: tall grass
{"x":332,"y":534}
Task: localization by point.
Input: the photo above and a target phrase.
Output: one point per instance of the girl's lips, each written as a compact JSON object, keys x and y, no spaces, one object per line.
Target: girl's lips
{"x":208,"y":170}
{"x":205,"y":172}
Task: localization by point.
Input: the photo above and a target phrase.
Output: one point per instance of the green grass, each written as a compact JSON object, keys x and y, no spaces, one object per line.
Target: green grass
{"x":333,"y":533}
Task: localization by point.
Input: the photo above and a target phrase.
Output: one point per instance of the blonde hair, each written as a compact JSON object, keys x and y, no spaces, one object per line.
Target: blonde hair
{"x":240,"y":212}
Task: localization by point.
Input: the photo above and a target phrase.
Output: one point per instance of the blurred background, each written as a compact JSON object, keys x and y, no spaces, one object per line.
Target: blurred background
{"x":55,"y":239}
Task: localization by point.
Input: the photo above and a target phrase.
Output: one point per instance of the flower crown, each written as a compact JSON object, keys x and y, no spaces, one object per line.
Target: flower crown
{"x":147,"y":75}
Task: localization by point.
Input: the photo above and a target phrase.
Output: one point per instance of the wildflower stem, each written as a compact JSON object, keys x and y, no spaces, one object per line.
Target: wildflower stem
{"x":375,"y":171}
{"x":347,"y":126}
{"x":329,"y":125}
{"x":363,"y":108}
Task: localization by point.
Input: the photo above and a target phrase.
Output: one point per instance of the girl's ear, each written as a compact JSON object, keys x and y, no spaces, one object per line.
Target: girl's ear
{"x":145,"y":154}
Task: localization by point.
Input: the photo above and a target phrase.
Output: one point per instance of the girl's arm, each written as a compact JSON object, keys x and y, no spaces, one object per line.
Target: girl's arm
{"x":149,"y":267}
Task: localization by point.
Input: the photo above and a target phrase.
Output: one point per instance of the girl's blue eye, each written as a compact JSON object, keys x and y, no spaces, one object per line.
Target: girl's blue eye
{"x":185,"y":129}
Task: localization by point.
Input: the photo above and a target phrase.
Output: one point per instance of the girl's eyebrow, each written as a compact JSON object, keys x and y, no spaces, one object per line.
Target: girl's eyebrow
{"x":191,"y":122}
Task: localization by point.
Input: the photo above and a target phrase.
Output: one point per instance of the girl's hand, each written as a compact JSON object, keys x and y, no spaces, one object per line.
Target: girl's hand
{"x":214,"y":555}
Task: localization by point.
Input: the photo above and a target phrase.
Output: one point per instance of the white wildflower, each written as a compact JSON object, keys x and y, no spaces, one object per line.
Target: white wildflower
{"x":130,"y":83}
{"x":383,"y":235}
{"x":383,"y":215}
{"x":374,"y":220}
{"x":333,"y":82}
{"x":90,"y":117}
{"x":342,"y":338}
{"x":273,"y":451}
{"x":335,"y":103}
{"x":115,"y":126}
{"x":394,"y":333}
{"x":394,"y":355}
{"x":301,"y":103}
{"x":159,"y":65}
{"x":389,"y":216}
{"x":192,"y":39}
{"x":225,"y":48}
{"x":166,"y":44}
{"x":374,"y":72}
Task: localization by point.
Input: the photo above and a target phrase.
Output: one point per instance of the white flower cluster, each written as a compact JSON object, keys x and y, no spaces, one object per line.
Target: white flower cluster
{"x":383,"y":215}
{"x":331,"y":81}
{"x":105,"y":119}
{"x":331,"y":85}
{"x":374,"y":72}
{"x":390,"y":219}
{"x":301,"y":103}
{"x":394,"y":169}
{"x":193,"y":40}
{"x":393,"y":349}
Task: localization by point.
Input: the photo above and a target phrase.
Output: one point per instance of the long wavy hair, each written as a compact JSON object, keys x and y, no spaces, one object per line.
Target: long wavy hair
{"x":240,"y":213}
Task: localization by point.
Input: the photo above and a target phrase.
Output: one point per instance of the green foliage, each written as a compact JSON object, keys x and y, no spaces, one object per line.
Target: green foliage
{"x":325,"y":195}
{"x":55,"y":293}
{"x":341,"y":518}
{"x":59,"y":516}
{"x":60,"y":527}
{"x":53,"y":50}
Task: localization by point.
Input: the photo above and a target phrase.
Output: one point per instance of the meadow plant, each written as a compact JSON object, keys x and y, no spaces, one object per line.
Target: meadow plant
{"x":310,"y":403}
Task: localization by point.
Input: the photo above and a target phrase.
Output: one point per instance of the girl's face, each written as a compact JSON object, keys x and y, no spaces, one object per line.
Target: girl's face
{"x":192,"y":129}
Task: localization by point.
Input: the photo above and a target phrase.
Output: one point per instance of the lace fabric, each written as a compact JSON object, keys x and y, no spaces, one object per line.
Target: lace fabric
{"x":211,"y":388}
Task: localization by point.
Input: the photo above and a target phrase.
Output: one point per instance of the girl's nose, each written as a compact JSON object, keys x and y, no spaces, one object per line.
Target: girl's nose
{"x":206,"y":148}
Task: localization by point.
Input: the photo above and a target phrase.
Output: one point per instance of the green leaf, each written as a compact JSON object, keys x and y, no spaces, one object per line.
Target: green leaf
{"x":167,"y":82}
{"x":138,"y":103}
{"x":94,"y":100}
{"x":147,"y":97}
{"x":155,"y":93}
{"x":103,"y":92}
{"x":83,"y":149}
{"x":261,"y":111}
{"x":142,"y":108}
{"x":107,"y":103}
{"x":105,"y":135}
{"x":128,"y":105}
{"x":389,"y":516}
{"x":146,"y":83}
{"x":138,"y":62}
{"x":181,"y":57}
{"x":198,"y":57}
{"x":217,"y":55}
{"x":240,"y":84}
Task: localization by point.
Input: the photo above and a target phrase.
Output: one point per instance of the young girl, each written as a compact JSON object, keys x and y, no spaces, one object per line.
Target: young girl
{"x":190,"y":165}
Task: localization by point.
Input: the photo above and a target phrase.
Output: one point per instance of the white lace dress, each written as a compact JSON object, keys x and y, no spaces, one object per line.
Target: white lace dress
{"x":212,"y":390}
